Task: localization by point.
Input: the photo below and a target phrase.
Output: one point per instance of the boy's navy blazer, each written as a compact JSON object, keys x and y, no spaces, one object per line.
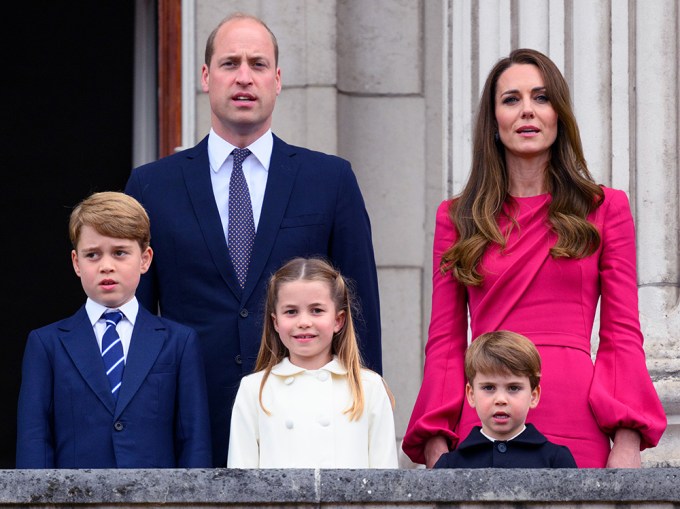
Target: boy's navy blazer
{"x":67,"y":417}
{"x":312,"y":206}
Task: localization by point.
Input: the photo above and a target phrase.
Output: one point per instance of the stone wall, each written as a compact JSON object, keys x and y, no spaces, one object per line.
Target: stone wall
{"x":620,"y":489}
{"x":360,"y":80}
{"x":622,"y":62}
{"x":392,"y":85}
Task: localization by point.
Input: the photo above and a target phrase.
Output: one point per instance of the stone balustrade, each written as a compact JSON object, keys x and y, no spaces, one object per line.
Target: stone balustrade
{"x":601,"y":488}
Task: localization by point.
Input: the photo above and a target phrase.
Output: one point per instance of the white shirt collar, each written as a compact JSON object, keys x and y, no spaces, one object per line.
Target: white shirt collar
{"x":287,"y":368}
{"x":494,"y":439}
{"x":220,"y":149}
{"x":96,"y":310}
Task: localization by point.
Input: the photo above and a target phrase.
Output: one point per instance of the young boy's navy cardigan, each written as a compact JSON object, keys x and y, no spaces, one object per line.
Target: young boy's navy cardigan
{"x":530,"y":449}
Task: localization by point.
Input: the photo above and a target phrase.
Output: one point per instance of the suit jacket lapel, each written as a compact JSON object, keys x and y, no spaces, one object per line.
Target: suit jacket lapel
{"x":196,"y":172}
{"x":280,"y":180}
{"x":148,"y":337}
{"x":77,"y":336}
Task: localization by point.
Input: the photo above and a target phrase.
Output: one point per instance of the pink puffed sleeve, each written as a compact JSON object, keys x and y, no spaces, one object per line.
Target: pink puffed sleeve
{"x":622,"y":394}
{"x":440,"y":400}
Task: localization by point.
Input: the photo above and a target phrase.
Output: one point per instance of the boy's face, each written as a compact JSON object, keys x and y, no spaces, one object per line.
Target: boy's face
{"x":109,"y":268}
{"x":502,"y":402}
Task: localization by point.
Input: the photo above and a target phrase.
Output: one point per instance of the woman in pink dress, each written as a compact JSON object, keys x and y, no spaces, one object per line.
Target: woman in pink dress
{"x":530,"y":246}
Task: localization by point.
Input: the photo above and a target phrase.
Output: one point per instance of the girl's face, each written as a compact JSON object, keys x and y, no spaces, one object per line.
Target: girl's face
{"x":306,"y":320}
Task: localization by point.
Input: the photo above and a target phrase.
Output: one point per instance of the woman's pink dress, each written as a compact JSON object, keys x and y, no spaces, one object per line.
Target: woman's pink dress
{"x":553,"y":303}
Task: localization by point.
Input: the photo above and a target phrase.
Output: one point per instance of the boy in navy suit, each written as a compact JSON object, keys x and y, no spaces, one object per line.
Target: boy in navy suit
{"x":123,"y":391}
{"x":503,"y":370}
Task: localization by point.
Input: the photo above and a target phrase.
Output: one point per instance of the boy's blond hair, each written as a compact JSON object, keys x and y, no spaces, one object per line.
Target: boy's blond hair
{"x":503,"y":352}
{"x":112,"y":214}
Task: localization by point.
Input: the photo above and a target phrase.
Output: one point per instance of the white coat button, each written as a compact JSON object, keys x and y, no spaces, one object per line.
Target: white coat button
{"x":289,"y":380}
{"x":322,"y":375}
{"x":289,"y":424}
{"x":325,"y":421}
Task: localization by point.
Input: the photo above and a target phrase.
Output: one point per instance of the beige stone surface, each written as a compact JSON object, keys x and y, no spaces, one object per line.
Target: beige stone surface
{"x":624,"y":92}
{"x":392,"y":86}
{"x":402,"y":352}
{"x":384,"y":139}
{"x":307,"y":117}
{"x":305,"y":31}
{"x":380,"y":47}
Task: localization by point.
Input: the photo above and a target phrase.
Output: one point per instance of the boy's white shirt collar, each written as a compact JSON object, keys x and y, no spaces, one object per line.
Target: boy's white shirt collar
{"x":495,"y":439}
{"x":220,"y":149}
{"x":95,"y":310}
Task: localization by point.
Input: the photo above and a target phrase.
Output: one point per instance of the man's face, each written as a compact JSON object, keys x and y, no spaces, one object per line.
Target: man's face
{"x":242,"y":81}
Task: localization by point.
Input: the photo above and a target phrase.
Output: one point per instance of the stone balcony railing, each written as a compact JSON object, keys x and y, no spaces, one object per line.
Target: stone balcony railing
{"x":600,"y":488}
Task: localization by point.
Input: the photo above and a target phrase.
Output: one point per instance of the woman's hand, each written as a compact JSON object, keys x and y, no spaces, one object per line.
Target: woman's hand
{"x":625,"y":452}
{"x":434,"y":448}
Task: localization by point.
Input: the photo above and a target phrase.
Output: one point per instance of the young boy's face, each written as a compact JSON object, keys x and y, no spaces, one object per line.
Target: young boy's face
{"x":109,"y":268}
{"x":502,"y":402}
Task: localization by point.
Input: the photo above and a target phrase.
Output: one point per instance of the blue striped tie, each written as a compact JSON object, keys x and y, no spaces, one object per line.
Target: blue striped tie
{"x":112,"y":351}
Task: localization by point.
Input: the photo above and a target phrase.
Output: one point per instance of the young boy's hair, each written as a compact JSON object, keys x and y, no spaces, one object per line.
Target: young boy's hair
{"x":344,"y":344}
{"x":111,"y":214}
{"x":503,"y":352}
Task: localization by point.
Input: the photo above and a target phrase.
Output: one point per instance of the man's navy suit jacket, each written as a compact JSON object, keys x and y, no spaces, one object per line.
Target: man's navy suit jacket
{"x":67,"y":417}
{"x":312,"y":207}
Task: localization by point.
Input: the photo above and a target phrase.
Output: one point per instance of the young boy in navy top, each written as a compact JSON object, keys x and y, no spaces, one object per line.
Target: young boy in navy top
{"x":503,"y":370}
{"x":125,"y":391}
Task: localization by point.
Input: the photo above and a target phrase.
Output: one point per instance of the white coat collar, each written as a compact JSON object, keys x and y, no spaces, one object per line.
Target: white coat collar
{"x":287,"y":368}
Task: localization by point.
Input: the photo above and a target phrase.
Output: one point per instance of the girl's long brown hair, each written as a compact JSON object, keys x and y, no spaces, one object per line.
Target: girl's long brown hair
{"x":574,"y":192}
{"x":344,"y":344}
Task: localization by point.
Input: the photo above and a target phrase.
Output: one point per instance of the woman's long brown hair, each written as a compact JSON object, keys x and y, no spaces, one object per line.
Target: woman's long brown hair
{"x":574,"y":192}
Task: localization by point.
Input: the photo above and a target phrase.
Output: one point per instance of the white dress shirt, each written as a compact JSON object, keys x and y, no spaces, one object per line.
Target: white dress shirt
{"x":124,"y":327}
{"x":255,"y":169}
{"x":307,"y":427}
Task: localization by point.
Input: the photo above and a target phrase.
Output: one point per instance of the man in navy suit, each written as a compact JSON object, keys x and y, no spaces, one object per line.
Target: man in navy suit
{"x":75,"y":411}
{"x":304,"y":203}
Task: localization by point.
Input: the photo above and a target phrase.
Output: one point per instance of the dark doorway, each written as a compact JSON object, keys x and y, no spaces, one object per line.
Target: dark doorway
{"x":67,"y":126}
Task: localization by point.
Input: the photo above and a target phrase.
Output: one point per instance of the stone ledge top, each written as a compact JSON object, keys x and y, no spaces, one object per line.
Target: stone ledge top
{"x":306,"y":486}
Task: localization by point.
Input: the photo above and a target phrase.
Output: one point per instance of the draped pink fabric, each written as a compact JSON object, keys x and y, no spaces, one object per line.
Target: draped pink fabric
{"x":553,"y":302}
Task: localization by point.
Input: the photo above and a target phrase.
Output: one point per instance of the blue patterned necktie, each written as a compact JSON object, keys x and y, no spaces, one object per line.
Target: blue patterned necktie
{"x":112,"y":351}
{"x":241,"y":234}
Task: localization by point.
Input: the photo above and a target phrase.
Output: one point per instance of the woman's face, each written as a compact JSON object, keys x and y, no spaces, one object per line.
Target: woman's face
{"x":527,"y":122}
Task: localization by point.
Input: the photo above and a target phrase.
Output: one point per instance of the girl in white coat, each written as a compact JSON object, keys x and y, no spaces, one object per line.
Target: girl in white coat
{"x":310,"y":403}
